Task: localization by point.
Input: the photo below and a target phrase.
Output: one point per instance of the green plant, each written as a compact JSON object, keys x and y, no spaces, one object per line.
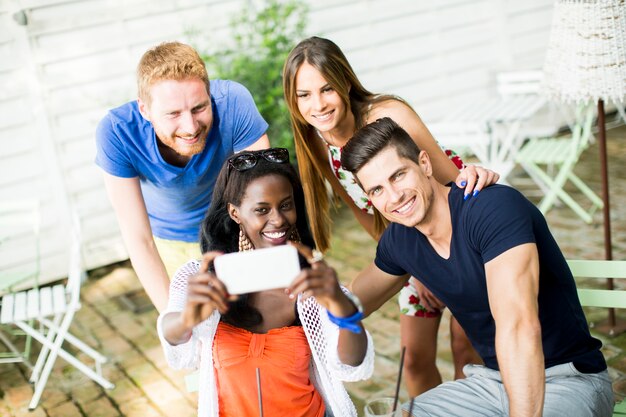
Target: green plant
{"x":262,"y":39}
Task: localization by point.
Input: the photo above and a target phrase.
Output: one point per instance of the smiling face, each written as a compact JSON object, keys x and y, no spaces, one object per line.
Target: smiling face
{"x":181,"y":114}
{"x":399,"y":188}
{"x":319,"y":104}
{"x":267,"y":213}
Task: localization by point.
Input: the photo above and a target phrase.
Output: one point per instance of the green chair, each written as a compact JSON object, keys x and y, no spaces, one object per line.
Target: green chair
{"x":601,"y":297}
{"x":620,"y":409}
{"x":600,"y":269}
{"x":550,"y":163}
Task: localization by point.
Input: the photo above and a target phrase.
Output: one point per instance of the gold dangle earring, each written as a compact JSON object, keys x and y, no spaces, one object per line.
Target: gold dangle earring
{"x":244,"y":242}
{"x":295,"y":236}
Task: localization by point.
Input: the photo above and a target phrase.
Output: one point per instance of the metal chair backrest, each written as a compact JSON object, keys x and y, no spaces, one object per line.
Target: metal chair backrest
{"x":76,"y":273}
{"x":601,"y":297}
{"x":596,"y":297}
{"x":581,"y":131}
{"x":19,"y":234}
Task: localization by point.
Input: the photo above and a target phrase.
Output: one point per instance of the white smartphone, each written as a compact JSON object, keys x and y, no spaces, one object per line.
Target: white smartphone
{"x":258,"y":270}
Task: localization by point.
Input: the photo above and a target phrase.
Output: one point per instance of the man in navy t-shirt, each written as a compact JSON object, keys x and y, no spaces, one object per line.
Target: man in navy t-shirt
{"x":161,"y":155}
{"x":493,"y":262}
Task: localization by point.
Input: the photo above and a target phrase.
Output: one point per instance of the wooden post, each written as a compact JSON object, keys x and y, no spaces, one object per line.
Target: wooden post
{"x":606,"y":210}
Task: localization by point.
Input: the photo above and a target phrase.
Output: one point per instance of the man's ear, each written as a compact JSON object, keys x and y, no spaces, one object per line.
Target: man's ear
{"x":233,"y":212}
{"x":144,"y":109}
{"x":425,"y":163}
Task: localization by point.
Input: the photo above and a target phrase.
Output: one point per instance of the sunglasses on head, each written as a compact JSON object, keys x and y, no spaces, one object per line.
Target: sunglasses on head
{"x":246,"y":160}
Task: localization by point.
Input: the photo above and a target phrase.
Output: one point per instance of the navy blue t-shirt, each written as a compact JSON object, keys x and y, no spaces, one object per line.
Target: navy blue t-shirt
{"x":483,"y":228}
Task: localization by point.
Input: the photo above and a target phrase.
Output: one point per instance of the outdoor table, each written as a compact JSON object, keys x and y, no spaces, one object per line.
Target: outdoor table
{"x":499,"y":119}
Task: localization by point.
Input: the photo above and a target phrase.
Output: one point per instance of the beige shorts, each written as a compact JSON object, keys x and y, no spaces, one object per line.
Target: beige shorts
{"x":176,"y":253}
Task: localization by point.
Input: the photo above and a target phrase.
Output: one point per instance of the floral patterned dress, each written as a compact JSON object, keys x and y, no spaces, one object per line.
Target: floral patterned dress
{"x":347,"y":180}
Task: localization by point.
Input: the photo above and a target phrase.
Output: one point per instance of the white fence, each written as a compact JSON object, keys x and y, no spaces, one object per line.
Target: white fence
{"x":71,"y":60}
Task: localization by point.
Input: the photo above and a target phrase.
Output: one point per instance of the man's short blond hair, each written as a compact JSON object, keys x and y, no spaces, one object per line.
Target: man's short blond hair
{"x":169,"y":61}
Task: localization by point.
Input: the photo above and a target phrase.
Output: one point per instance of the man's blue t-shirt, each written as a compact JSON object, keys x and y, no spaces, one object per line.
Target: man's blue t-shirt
{"x":177,"y":198}
{"x":483,"y":228}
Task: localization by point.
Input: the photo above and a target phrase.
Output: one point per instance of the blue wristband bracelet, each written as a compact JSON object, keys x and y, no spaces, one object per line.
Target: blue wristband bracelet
{"x":350,"y":323}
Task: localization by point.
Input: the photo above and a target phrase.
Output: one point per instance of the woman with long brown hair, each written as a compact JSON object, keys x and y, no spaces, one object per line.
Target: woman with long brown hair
{"x":327,"y":104}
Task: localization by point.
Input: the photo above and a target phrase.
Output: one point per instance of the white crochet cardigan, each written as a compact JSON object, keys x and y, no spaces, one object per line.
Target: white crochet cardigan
{"x":326,"y":370}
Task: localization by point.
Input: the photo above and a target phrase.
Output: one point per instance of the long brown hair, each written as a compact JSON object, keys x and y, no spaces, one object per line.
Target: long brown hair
{"x":327,"y":58}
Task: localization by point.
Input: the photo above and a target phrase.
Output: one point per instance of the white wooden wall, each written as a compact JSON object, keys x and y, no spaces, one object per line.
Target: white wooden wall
{"x":76,"y":58}
{"x":433,"y":53}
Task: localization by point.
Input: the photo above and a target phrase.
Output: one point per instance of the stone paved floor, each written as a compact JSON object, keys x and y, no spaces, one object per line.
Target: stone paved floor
{"x":145,"y":386}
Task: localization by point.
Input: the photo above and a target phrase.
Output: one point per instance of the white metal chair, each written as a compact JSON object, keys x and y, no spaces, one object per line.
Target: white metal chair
{"x":562,"y":153}
{"x":53,"y":308}
{"x":519,"y":82}
{"x":529,"y":83}
{"x":463,"y":138}
{"x":19,"y":231}
{"x":493,"y":127}
{"x":19,"y":225}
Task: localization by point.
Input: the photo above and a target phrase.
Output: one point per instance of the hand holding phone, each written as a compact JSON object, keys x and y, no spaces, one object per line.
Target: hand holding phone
{"x":258,"y":270}
{"x":205,"y":293}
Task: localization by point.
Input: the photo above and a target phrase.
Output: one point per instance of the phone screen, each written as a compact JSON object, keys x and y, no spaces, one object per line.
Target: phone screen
{"x":258,"y":270}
